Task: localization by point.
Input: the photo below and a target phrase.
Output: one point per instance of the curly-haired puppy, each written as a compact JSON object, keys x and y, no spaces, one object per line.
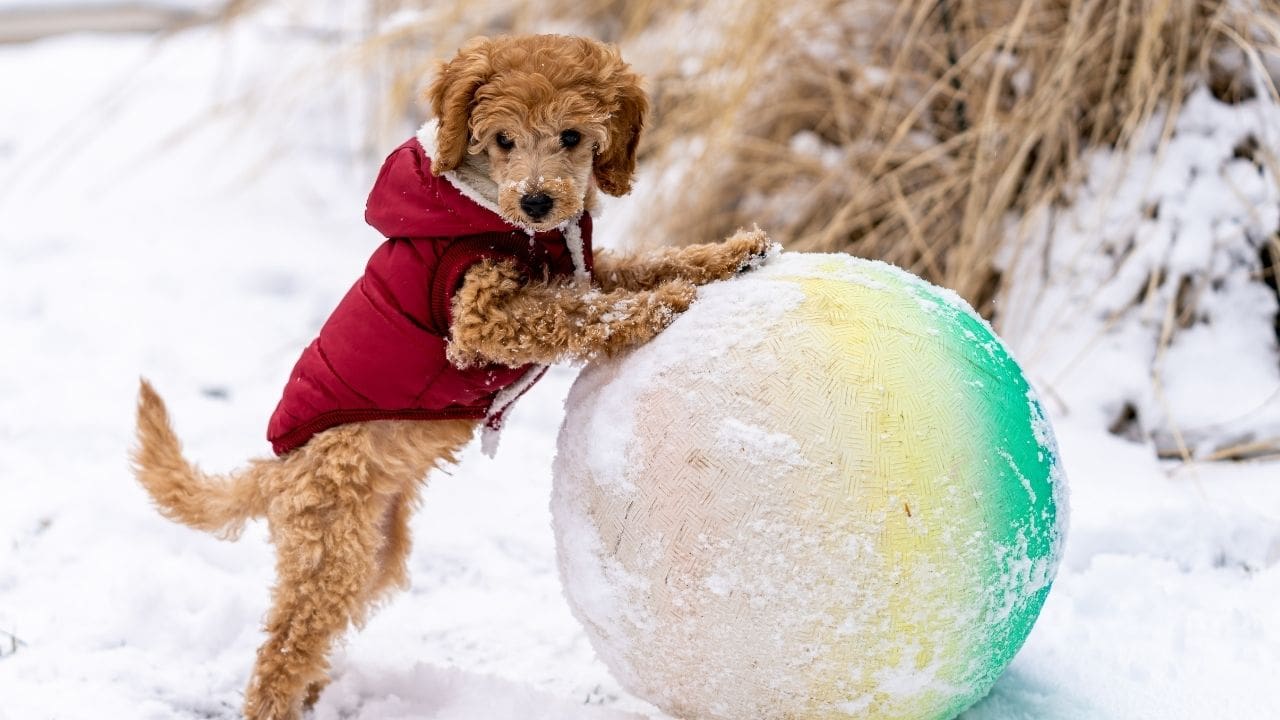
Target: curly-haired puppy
{"x":487,"y":275}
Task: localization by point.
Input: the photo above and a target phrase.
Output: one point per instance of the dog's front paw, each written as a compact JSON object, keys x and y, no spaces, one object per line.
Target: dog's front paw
{"x":748,"y":249}
{"x":739,"y":252}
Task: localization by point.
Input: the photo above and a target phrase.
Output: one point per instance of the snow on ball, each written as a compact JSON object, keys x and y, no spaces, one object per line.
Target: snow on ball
{"x":826,"y":491}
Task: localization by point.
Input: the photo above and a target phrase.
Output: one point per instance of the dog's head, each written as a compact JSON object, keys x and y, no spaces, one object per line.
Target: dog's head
{"x":550,"y":114}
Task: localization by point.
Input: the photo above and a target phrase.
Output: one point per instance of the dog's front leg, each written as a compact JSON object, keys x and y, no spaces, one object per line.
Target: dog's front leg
{"x":499,"y":319}
{"x":698,"y":264}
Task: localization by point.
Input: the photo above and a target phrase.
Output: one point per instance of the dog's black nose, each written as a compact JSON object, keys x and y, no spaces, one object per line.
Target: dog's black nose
{"x":536,"y":205}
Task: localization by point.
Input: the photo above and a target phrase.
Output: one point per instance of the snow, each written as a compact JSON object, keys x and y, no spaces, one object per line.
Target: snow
{"x":1152,"y":280}
{"x":1165,"y":604}
{"x":447,"y":695}
{"x":759,"y":446}
{"x":189,"y":210}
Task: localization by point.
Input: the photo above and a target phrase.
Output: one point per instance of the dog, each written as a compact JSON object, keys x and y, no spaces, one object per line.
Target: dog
{"x":486,"y":277}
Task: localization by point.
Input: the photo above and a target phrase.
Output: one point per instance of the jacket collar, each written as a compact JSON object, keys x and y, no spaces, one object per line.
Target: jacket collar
{"x":427,"y":138}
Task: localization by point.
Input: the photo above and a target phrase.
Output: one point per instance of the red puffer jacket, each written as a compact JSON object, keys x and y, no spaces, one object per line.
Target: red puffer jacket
{"x":381,"y":354}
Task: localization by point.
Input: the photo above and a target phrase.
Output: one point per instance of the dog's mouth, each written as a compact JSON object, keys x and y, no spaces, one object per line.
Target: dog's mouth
{"x":541,"y":205}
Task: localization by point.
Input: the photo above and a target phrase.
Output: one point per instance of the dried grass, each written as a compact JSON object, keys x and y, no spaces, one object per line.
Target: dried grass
{"x":910,"y":131}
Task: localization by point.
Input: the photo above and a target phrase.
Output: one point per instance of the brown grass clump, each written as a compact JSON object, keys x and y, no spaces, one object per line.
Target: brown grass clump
{"x":909,"y":131}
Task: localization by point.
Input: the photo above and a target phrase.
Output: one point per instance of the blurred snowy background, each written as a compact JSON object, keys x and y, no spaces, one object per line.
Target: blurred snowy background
{"x":181,"y":193}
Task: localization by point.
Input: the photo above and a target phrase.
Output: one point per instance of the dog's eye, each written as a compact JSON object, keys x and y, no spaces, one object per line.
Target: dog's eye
{"x":505,"y":142}
{"x":569,"y":139}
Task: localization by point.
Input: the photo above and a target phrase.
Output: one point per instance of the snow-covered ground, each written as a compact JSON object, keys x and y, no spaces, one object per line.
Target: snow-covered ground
{"x":155,"y":221}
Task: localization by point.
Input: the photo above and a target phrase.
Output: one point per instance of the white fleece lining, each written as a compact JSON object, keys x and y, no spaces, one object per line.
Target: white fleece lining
{"x":572,"y":232}
{"x":427,"y":138}
{"x":503,"y":400}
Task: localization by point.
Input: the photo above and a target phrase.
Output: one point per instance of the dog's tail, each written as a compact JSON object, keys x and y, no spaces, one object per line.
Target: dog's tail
{"x":217,"y":504}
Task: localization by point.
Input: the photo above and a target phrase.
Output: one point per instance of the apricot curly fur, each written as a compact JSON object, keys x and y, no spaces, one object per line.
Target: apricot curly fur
{"x":338,"y":508}
{"x":541,"y":83}
{"x":699,"y":264}
{"x":498,"y":320}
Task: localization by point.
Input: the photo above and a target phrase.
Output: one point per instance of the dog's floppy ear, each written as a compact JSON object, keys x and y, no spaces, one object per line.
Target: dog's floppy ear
{"x":616,"y":164}
{"x":451,"y":95}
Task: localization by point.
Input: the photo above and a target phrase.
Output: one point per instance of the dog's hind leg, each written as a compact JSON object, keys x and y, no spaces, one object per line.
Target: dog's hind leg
{"x":327,"y":536}
{"x":342,"y":539}
{"x":391,"y":571}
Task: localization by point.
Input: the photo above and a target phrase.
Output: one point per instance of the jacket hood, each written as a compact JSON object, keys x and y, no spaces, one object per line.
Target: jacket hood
{"x":408,"y":200}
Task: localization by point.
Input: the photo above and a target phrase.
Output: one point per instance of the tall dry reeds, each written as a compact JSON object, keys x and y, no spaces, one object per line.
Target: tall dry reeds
{"x":909,"y":131}
{"x":901,"y":130}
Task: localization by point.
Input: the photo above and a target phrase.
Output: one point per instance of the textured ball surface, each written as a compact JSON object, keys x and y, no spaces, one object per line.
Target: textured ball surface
{"x":826,"y":491}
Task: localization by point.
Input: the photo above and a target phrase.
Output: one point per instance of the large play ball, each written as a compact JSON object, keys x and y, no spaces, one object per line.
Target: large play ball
{"x":826,"y":491}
